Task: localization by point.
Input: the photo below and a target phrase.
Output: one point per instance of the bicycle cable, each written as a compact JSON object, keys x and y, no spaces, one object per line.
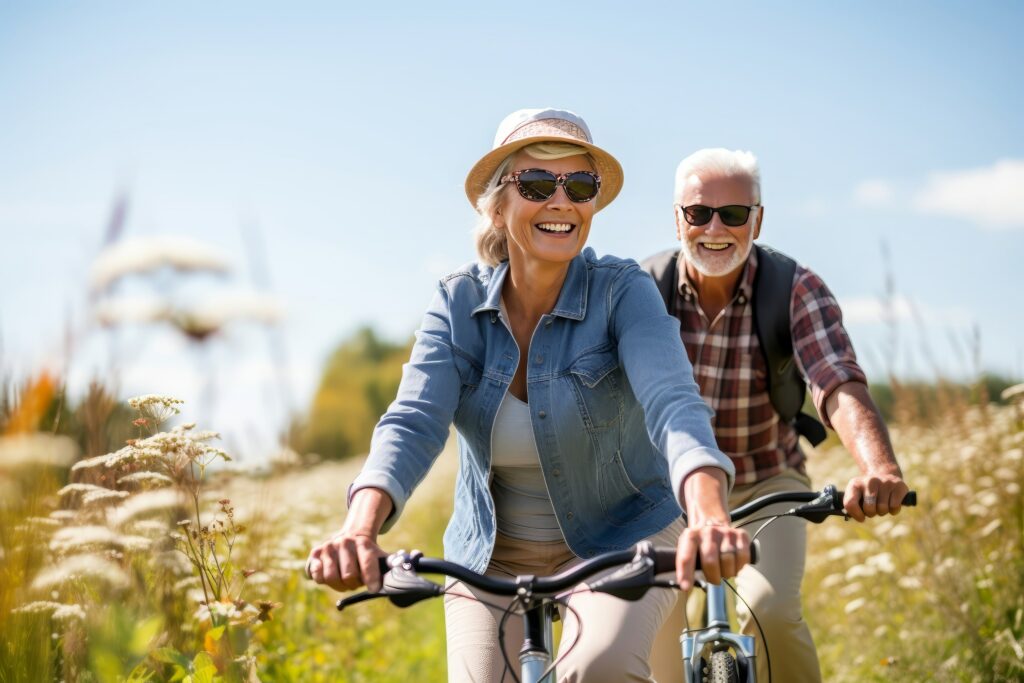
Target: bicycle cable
{"x":764,"y":638}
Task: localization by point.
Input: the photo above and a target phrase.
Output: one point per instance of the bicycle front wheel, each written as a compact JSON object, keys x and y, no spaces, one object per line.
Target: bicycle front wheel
{"x":722,"y":668}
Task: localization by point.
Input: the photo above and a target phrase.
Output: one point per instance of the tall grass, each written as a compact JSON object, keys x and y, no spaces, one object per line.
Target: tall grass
{"x":96,"y":584}
{"x":937,"y":592}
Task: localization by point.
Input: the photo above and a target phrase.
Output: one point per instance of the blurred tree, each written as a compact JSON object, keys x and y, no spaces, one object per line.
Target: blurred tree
{"x":359,"y":382}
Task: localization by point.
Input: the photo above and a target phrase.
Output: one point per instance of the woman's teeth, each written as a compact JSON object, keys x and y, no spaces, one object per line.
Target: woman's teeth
{"x":716,"y":246}
{"x":555,"y":227}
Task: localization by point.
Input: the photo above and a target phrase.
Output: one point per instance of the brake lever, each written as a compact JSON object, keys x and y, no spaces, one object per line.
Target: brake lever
{"x":828,"y":504}
{"x":632,"y":581}
{"x":401,"y":585}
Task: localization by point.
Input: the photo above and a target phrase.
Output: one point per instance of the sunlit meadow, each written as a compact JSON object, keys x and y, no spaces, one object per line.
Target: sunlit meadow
{"x":160,"y":561}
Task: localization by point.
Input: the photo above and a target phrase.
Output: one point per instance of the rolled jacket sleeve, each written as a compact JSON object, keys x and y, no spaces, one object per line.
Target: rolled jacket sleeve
{"x":653,"y":358}
{"x":413,"y":431}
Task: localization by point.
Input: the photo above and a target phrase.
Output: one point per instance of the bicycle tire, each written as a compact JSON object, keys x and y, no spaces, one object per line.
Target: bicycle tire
{"x":722,"y":668}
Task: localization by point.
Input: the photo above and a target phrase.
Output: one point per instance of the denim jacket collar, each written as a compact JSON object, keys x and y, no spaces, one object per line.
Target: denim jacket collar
{"x":572,"y":300}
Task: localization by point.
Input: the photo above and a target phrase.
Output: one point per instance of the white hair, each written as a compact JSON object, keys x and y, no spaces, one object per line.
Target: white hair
{"x":720,"y":161}
{"x":492,"y":242}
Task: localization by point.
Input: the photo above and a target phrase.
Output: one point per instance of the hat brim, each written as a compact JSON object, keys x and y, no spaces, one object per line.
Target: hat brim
{"x":606,"y":165}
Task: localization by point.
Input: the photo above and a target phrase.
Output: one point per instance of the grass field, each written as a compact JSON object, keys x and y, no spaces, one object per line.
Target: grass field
{"x":934,"y":594}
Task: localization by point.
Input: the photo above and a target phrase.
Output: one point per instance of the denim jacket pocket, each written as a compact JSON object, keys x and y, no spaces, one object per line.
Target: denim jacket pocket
{"x":595,"y":381}
{"x":620,"y":498}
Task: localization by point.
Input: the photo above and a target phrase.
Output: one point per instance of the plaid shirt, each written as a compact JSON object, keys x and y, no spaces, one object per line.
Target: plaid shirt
{"x":731,"y":369}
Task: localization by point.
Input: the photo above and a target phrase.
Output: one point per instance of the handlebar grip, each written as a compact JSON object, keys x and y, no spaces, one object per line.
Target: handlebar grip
{"x":910,"y":499}
{"x":665,"y":558}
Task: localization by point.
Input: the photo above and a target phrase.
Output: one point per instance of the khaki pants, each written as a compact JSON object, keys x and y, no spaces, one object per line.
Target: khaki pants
{"x":771,"y":588}
{"x":603,"y":638}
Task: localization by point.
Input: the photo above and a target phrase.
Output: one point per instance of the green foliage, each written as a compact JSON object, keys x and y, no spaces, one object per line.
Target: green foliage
{"x":359,"y":382}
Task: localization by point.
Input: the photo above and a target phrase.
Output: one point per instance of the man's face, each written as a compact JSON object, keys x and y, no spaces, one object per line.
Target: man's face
{"x":716,"y":249}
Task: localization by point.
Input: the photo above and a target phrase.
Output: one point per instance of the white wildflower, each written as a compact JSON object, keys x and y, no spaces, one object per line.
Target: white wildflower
{"x":1016,"y":393}
{"x":156,"y":407}
{"x":59,"y":611}
{"x":858,"y":571}
{"x":850,"y":589}
{"x":148,"y":526}
{"x":899,"y":531}
{"x":131,"y":309}
{"x":43,"y":522}
{"x":187,"y":582}
{"x":882,"y":562}
{"x":983,"y":584}
{"x":854,"y":605}
{"x":81,"y":568}
{"x":146,"y":503}
{"x":76,"y":537}
{"x":989,"y":499}
{"x":62,"y":515}
{"x":991,"y":528}
{"x":37,"y":449}
{"x":1015,"y":454}
{"x":963,"y":491}
{"x":1013,"y":488}
{"x":103,"y":495}
{"x":152,"y":479}
{"x":946,"y":526}
{"x":909,"y":582}
{"x":977,"y":510}
{"x":832,"y":580}
{"x":144,"y":255}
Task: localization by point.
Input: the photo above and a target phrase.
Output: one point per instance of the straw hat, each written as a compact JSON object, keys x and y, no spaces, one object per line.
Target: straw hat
{"x":527,"y":126}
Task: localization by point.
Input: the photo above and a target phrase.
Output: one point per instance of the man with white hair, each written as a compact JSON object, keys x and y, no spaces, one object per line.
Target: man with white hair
{"x":759,"y":329}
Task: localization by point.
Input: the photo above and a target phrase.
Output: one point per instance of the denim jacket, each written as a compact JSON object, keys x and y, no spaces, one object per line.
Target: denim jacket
{"x":617,"y":417}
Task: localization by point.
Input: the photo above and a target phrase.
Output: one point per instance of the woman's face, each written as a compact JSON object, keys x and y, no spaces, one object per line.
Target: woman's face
{"x":548,"y":232}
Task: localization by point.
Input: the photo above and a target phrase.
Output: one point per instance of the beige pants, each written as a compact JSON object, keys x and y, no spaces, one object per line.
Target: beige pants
{"x":771,"y":588}
{"x":612,"y":637}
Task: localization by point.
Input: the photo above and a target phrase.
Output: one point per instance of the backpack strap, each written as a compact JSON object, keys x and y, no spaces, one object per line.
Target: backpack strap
{"x":773,"y":290}
{"x":663,"y":268}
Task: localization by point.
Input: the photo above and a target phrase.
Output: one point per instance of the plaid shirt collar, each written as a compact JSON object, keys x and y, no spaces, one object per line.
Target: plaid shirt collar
{"x":744,"y":288}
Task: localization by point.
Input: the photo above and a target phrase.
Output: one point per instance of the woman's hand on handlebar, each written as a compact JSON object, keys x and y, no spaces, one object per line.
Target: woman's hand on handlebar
{"x":347,"y":561}
{"x":723,"y":550}
{"x":350,"y":558}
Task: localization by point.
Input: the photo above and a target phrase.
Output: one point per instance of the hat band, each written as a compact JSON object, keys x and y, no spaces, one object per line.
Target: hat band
{"x":548,"y":128}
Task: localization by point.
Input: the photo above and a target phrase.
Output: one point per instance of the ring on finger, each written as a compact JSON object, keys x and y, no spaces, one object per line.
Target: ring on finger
{"x":870,"y":500}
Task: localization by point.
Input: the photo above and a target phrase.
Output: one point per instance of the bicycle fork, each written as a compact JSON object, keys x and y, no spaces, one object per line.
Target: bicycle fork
{"x":716,"y":635}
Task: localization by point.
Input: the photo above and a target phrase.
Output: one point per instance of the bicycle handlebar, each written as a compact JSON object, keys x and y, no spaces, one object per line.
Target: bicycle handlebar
{"x":638,"y":565}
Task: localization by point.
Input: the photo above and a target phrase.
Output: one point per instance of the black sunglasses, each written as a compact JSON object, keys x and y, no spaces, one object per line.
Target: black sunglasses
{"x":733,"y":215}
{"x":536,"y":184}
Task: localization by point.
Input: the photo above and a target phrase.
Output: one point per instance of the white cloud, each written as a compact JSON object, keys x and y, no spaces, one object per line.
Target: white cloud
{"x":992,"y":197}
{"x":871,"y":310}
{"x":874,"y":192}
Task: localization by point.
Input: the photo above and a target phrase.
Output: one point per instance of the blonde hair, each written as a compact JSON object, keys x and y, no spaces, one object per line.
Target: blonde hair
{"x":491,"y":241}
{"x":719,"y":160}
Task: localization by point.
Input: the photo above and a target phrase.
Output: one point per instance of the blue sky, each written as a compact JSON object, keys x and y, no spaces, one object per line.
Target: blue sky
{"x":344,"y":135}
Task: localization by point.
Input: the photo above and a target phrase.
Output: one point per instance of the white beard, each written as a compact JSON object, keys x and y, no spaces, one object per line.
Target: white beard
{"x":712,"y":265}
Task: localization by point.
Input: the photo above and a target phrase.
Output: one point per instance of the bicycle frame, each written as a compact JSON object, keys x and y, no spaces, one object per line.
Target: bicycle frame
{"x":535,"y":655}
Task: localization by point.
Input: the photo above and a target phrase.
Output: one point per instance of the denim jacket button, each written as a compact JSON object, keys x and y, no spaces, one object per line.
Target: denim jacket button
{"x":538,"y":359}
{"x":569,"y":515}
{"x":541,"y":414}
{"x":557,"y":472}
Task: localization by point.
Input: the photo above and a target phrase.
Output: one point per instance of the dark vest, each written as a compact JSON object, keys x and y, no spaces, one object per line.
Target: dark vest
{"x":773,"y":289}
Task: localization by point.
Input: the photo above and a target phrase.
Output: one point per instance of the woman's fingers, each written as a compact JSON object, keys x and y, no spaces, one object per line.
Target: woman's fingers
{"x":346,"y":562}
{"x":723,"y":551}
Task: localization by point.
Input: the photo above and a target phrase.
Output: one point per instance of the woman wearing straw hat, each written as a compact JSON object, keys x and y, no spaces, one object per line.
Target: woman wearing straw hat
{"x":580,"y":427}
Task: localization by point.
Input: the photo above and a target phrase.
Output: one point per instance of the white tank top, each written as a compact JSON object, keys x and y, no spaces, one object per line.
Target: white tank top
{"x":521,"y":500}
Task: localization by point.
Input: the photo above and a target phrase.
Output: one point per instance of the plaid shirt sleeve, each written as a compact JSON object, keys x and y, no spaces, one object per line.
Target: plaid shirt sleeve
{"x":820,"y":343}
